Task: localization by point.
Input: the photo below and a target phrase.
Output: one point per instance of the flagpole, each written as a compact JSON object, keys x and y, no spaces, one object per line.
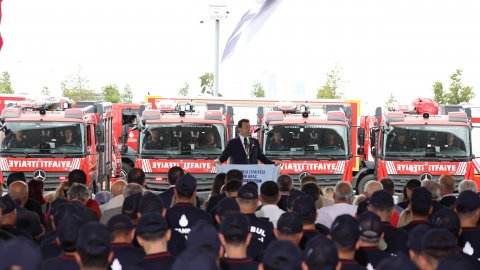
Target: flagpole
{"x":216,"y":76}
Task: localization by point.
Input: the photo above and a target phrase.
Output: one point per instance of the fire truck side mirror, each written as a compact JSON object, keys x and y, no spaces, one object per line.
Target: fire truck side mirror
{"x":100,"y":134}
{"x":100,"y":148}
{"x":361,"y":136}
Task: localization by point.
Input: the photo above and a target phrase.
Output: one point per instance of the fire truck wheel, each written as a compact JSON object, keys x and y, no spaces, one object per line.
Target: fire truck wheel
{"x":126,"y":168}
{"x":361,"y":185}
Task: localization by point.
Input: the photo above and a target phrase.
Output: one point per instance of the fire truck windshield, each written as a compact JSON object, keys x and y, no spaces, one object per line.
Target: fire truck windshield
{"x":427,"y":141}
{"x":182,"y":139}
{"x":306,"y":140}
{"x":52,"y":138}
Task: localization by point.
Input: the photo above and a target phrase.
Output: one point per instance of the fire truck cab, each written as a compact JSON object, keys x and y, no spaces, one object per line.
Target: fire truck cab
{"x":48,"y":144}
{"x":180,"y":134}
{"x":315,"y":138}
{"x":125,"y":118}
{"x":423,"y":143}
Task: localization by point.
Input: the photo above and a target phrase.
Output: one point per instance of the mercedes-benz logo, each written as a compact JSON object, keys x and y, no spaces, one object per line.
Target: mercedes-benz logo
{"x":39,"y":175}
{"x":302,"y":175}
{"x":426,"y":176}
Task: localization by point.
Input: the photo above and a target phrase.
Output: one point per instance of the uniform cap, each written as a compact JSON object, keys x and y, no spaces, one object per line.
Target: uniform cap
{"x":304,"y":206}
{"x":320,"y":253}
{"x":446,"y":219}
{"x":68,"y":229}
{"x":119,"y":222}
{"x":371,"y":227}
{"x":415,"y":237}
{"x":131,"y":204}
{"x":438,"y":239}
{"x":225,"y":206}
{"x":186,"y":184}
{"x":290,"y":223}
{"x":150,"y":203}
{"x":282,"y":255}
{"x":467,"y":201}
{"x":204,"y":236}
{"x":248,"y":192}
{"x":94,"y":239}
{"x":345,"y":230}
{"x":20,"y":252}
{"x":151,"y":222}
{"x":235,"y":224}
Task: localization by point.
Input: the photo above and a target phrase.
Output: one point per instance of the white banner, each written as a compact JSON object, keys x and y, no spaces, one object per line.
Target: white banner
{"x":255,"y":173}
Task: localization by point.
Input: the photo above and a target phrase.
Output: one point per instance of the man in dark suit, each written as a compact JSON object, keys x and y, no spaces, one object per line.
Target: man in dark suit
{"x":244,"y":149}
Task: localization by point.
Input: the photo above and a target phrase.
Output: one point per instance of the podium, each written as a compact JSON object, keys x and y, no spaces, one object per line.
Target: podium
{"x":253,"y":173}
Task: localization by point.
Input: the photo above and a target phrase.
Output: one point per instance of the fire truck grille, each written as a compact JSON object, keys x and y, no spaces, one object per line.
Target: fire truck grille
{"x":323,"y":180}
{"x":50,"y":183}
{"x":401,"y":180}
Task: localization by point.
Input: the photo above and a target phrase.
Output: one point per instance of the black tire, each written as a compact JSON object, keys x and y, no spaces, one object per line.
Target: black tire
{"x":361,"y":184}
{"x":126,"y":168}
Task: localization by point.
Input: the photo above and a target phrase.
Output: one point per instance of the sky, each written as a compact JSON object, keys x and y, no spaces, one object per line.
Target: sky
{"x":381,"y":47}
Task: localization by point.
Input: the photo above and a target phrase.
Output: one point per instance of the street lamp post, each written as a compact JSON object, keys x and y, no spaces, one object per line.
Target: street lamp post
{"x":217,"y":12}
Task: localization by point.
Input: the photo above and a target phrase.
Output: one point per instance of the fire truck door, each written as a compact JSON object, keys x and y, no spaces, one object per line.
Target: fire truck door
{"x":476,"y":150}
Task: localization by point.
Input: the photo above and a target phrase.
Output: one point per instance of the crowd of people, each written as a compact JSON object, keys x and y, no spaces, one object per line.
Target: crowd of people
{"x":240,"y":225}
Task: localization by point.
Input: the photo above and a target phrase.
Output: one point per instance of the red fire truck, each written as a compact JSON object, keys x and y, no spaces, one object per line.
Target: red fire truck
{"x":180,"y":134}
{"x":47,"y":145}
{"x":125,"y":117}
{"x":318,"y":138}
{"x":10,"y":100}
{"x":418,"y":143}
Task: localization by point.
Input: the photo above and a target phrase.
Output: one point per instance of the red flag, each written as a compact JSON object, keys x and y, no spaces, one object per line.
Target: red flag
{"x":1,"y":40}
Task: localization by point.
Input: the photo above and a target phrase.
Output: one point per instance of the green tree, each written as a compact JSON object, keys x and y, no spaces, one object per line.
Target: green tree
{"x":457,"y":92}
{"x":76,"y":87}
{"x":391,"y":103}
{"x":206,"y":83}
{"x":111,"y":93}
{"x":45,"y":91}
{"x":184,"y":90}
{"x":438,"y":93}
{"x":5,"y":84}
{"x":127,"y":95}
{"x":332,"y":85}
{"x":257,"y":90}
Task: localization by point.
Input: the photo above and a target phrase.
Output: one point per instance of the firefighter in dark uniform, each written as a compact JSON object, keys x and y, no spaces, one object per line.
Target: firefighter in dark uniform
{"x":345,"y":233}
{"x":235,"y":236}
{"x":262,"y":230}
{"x":306,"y":208}
{"x":184,"y":214}
{"x":321,"y":253}
{"x":67,"y":234}
{"x":122,"y":233}
{"x":153,"y":203}
{"x":381,"y":203}
{"x":468,"y":210}
{"x":153,"y":234}
{"x":371,"y":231}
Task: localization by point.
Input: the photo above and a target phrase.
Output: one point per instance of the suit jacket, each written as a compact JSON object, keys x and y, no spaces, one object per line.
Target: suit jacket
{"x":236,"y":152}
{"x":448,"y":200}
